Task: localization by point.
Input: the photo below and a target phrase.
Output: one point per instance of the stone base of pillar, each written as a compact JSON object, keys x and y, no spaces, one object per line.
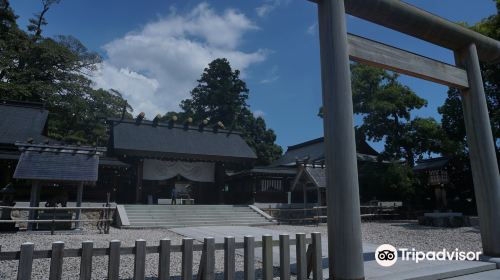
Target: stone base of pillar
{"x":495,"y":260}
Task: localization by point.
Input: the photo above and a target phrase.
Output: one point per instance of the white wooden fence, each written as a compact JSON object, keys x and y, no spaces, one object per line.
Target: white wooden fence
{"x":308,"y":261}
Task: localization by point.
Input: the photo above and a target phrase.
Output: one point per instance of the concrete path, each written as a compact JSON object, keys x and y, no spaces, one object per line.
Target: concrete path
{"x":487,"y":275}
{"x":425,"y":270}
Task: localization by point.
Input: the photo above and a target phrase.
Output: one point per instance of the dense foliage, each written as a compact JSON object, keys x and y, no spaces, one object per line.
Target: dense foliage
{"x":54,"y":71}
{"x":452,"y":113}
{"x":221,"y":96}
{"x":386,"y":106}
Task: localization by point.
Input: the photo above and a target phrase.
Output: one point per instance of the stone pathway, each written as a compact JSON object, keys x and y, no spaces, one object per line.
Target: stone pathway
{"x":427,"y":270}
{"x":487,"y":275}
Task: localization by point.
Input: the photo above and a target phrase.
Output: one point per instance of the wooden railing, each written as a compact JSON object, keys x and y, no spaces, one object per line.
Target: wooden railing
{"x":308,"y":261}
{"x":318,"y":214}
{"x":298,"y":215}
{"x":103,"y":223}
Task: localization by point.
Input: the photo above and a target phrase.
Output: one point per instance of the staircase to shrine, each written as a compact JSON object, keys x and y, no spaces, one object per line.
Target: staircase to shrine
{"x":173,"y":216}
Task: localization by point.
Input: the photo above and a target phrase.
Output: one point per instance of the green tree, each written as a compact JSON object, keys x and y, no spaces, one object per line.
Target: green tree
{"x":54,"y":71}
{"x":453,"y":123}
{"x":390,"y":181}
{"x":386,"y":105}
{"x":259,"y":137}
{"x":451,"y":111}
{"x":221,"y":96}
{"x":13,"y":43}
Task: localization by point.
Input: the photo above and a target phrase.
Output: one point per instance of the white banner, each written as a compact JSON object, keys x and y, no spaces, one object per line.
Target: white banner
{"x":162,"y":170}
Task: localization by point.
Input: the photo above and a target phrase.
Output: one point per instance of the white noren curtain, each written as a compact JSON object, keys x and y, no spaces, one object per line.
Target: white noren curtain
{"x":162,"y":170}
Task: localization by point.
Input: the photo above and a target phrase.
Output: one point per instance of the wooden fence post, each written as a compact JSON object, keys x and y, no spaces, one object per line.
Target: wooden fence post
{"x":25,"y":261}
{"x":140,"y":259}
{"x":56,"y":261}
{"x":86,"y":260}
{"x":187,"y":259}
{"x":229,"y":258}
{"x":249,"y":258}
{"x":267,"y":257}
{"x":300,"y":239}
{"x":309,"y":260}
{"x":284,"y":257}
{"x":201,"y":267}
{"x":317,"y":256}
{"x":208,"y":272}
{"x":114,"y":260}
{"x":164,"y":260}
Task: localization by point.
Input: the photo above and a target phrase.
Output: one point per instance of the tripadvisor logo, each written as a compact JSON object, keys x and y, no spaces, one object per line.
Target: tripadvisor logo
{"x":387,"y":255}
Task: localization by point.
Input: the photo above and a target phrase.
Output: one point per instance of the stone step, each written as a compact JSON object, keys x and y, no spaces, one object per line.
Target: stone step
{"x":187,"y":209}
{"x":166,"y":215}
{"x":182,"y":207}
{"x":144,"y":216}
{"x":486,"y":275}
{"x":194,"y":221}
{"x":173,"y":225}
{"x":185,"y":212}
{"x":131,"y":206}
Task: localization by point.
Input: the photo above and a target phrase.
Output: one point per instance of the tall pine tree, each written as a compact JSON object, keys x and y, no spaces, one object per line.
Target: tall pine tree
{"x":221,"y":96}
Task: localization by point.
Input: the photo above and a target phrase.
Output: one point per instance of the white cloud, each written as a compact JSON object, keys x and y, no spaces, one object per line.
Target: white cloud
{"x":311,"y":30}
{"x":268,"y":6}
{"x":271,"y":75}
{"x":157,"y":66}
{"x":258,"y":113}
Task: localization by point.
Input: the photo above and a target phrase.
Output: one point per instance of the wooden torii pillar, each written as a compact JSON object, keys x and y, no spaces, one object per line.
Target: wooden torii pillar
{"x":345,"y":249}
{"x":336,"y":48}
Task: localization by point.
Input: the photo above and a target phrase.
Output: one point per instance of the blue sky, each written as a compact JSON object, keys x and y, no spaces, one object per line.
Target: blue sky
{"x":155,"y":50}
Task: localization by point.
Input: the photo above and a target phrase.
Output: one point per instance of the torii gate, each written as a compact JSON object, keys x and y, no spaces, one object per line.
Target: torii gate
{"x":336,"y":46}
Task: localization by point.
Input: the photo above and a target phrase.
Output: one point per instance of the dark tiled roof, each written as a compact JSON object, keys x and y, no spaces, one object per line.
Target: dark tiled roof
{"x":112,"y":162}
{"x":57,"y":163}
{"x":145,"y":139}
{"x":19,"y":122}
{"x":314,"y":151}
{"x":317,"y":175}
{"x":431,"y":164}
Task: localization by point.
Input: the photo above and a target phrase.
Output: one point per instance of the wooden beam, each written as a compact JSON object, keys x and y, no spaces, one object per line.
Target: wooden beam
{"x":377,"y":54}
{"x":408,"y":19}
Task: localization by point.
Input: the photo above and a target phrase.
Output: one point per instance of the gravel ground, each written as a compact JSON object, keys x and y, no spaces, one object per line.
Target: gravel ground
{"x":399,"y":234}
{"x":407,"y":234}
